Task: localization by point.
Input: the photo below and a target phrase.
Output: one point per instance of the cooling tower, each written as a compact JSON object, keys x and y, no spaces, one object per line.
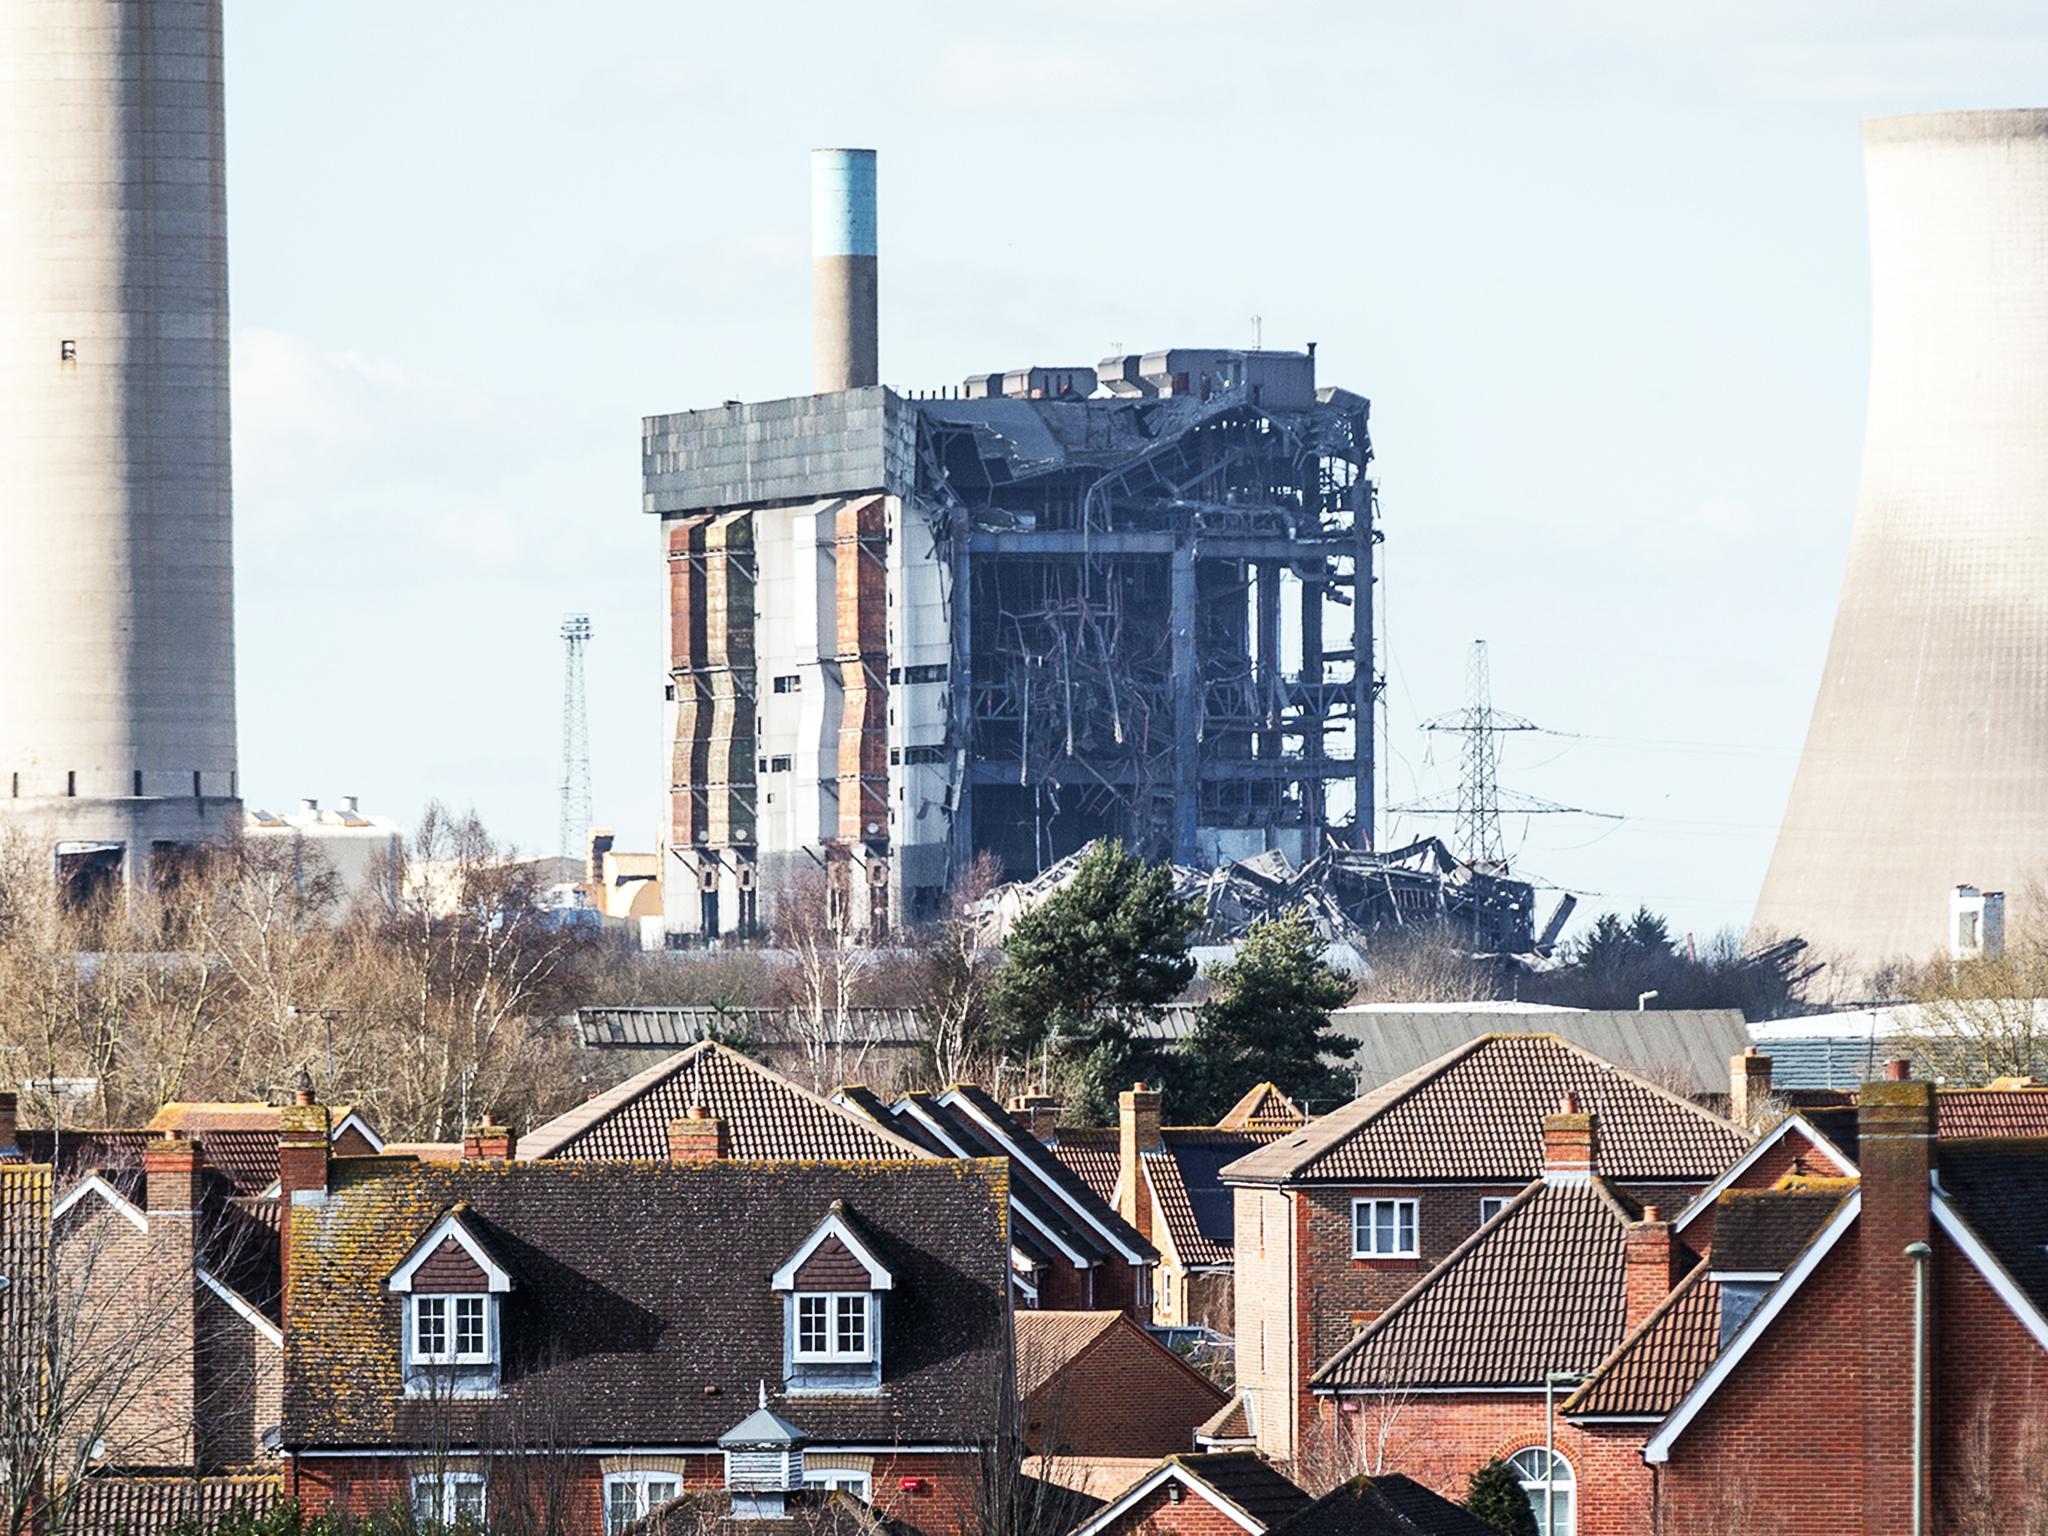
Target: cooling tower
{"x":1926,"y":762}
{"x":117,"y":706}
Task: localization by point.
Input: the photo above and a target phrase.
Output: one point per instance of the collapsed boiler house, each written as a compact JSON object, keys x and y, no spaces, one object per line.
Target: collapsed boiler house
{"x":1050,"y":605}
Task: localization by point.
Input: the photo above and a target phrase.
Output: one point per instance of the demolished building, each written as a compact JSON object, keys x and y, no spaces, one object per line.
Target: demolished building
{"x":1128,"y":600}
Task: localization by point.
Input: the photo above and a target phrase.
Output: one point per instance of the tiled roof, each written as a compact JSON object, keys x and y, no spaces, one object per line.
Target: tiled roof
{"x":1044,"y":1220}
{"x":1763,"y":1231}
{"x":766,"y":1115}
{"x":1263,"y":1107}
{"x":191,"y":1117}
{"x":1197,"y":1204}
{"x":1477,"y":1113}
{"x":1191,"y":1245}
{"x":1048,"y":1169}
{"x":2001,"y":1189}
{"x":1248,"y":1482}
{"x":1233,"y":1421}
{"x":1094,"y":1153}
{"x":1049,"y":1342}
{"x":1538,"y":1289}
{"x":1979,"y":1112}
{"x":25,"y":1202}
{"x":1658,"y":1364}
{"x":641,"y":1294}
{"x":1388,"y":1505}
{"x":145,"y":1506}
{"x":73,"y":1153}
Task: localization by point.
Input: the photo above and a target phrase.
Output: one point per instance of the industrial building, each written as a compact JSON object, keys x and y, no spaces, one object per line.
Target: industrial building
{"x":1926,"y":762}
{"x":117,"y":701}
{"x":1047,"y":605}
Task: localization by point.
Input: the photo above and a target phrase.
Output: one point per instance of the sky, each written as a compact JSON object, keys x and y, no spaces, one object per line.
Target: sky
{"x":1600,"y":268}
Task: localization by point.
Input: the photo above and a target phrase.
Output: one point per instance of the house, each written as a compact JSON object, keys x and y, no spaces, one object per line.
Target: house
{"x":1335,"y":1222}
{"x":1166,"y":1182}
{"x":515,"y":1335}
{"x":1095,"y":1384}
{"x":1237,"y":1492}
{"x":1075,"y":1250}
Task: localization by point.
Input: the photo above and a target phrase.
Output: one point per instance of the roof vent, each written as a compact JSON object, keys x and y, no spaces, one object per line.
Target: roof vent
{"x":764,"y":1462}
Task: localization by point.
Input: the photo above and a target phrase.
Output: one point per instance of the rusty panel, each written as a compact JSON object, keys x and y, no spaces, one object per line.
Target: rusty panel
{"x":729,"y":649}
{"x":689,"y":750}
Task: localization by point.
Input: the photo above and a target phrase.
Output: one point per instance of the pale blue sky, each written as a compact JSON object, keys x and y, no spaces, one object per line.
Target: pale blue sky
{"x":1599,"y":266}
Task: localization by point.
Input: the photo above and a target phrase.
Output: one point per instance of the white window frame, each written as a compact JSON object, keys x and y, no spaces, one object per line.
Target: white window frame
{"x":1491,"y":1206}
{"x":834,"y":1350}
{"x":447,"y":1303}
{"x":860,"y":1484}
{"x":636,"y":1486}
{"x":440,"y":1487}
{"x":1409,"y":1205}
{"x":1556,"y":1488}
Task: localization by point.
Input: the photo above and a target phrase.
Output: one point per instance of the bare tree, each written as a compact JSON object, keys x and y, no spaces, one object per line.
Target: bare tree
{"x":813,"y":918}
{"x":958,"y":963}
{"x":1999,"y":1485}
{"x":1987,"y":1017}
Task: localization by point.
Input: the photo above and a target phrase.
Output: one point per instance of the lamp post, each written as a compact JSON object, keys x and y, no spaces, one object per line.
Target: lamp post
{"x":1551,"y":1382}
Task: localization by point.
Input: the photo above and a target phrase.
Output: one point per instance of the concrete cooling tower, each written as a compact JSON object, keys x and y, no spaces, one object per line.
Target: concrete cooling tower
{"x":117,"y":701}
{"x":1926,"y":763}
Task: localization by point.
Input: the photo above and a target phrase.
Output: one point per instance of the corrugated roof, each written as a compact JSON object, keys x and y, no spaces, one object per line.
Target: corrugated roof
{"x":1538,"y":1289}
{"x":653,"y":1028}
{"x":1690,"y":1046}
{"x":766,"y":1115}
{"x":1476,"y":1113}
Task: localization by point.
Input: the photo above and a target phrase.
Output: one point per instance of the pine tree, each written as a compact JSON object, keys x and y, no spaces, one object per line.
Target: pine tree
{"x":1496,"y":1496}
{"x":1267,"y":1018}
{"x":1085,"y":967}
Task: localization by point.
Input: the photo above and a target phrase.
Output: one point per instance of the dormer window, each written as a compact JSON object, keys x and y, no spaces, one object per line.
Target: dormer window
{"x":832,"y":1315}
{"x":835,"y":1325}
{"x":452,"y":1330}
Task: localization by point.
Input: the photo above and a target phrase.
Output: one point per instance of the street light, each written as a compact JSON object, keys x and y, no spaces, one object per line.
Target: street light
{"x":1551,"y":1382}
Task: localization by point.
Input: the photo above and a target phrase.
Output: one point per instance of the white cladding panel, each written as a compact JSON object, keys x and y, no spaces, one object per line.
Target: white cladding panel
{"x":116,"y":559}
{"x":1926,"y":763}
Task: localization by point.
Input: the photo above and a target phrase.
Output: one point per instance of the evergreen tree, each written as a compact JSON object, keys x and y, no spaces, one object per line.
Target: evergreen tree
{"x":1267,"y":1018}
{"x":1085,"y":967}
{"x":1496,"y":1496}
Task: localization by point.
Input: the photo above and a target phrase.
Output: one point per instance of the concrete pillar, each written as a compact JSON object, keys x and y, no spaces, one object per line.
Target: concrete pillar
{"x":844,"y":282}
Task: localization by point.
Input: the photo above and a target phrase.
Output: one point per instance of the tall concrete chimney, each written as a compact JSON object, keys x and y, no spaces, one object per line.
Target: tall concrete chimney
{"x":117,"y":693}
{"x":1926,"y":762}
{"x":843,"y":282}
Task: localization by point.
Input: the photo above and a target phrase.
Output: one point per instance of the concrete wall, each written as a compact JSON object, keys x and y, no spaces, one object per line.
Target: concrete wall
{"x":117,"y":707}
{"x":1926,"y":764}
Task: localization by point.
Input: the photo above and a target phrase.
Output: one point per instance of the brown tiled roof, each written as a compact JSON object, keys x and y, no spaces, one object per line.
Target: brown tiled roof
{"x":766,"y":1115}
{"x":1263,"y":1108}
{"x":191,"y":1117}
{"x":25,"y":1203}
{"x":1537,"y":1289}
{"x":1248,"y":1482}
{"x":641,"y":1294}
{"x":1979,"y":1112}
{"x":1388,"y":1505}
{"x":1049,"y":1342}
{"x":1190,"y":1244}
{"x":1196,"y":1203}
{"x":1093,"y":1152}
{"x":1476,"y":1113}
{"x":144,"y":1506}
{"x":1657,"y":1365}
{"x":1232,"y":1421}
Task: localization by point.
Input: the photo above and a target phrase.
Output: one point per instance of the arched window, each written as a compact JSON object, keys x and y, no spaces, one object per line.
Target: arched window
{"x":1553,"y":1489}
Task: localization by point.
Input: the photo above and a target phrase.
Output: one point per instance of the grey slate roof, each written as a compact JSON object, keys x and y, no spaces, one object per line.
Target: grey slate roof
{"x":1387,"y":1505}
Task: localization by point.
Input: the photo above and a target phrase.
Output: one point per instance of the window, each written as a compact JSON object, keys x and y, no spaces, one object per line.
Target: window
{"x":860,"y":1484}
{"x":451,"y":1330}
{"x":924,"y":754}
{"x":791,"y":682}
{"x":1491,"y":1206}
{"x":1553,"y":1493}
{"x":931,"y":674}
{"x":1383,"y":1229}
{"x":833,"y":1325}
{"x":779,"y":764}
{"x":629,"y":1495}
{"x":448,"y":1499}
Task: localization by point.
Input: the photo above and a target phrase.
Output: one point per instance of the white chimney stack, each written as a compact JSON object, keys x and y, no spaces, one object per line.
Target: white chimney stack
{"x":844,"y":304}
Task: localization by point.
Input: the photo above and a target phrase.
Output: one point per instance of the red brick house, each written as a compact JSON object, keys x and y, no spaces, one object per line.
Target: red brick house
{"x":1239,"y":1494}
{"x":498,"y":1334}
{"x":1166,"y":1181}
{"x":1337,"y":1221}
{"x":1096,"y":1384}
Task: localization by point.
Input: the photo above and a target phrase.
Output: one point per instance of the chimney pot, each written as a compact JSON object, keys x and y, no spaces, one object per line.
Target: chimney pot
{"x":1570,"y":1143}
{"x":488,"y":1139}
{"x":1898,"y":1070}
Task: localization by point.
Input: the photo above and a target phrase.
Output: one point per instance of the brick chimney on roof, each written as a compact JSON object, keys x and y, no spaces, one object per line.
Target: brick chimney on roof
{"x":699,"y":1137}
{"x":1038,"y":1113}
{"x":1137,"y":1122}
{"x":1648,"y":1265}
{"x":1895,"y":1147}
{"x":170,"y":1176}
{"x":489,"y":1139}
{"x":170,"y":1271}
{"x":1571,"y":1139}
{"x":304,"y":1138}
{"x":1749,"y":1086}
